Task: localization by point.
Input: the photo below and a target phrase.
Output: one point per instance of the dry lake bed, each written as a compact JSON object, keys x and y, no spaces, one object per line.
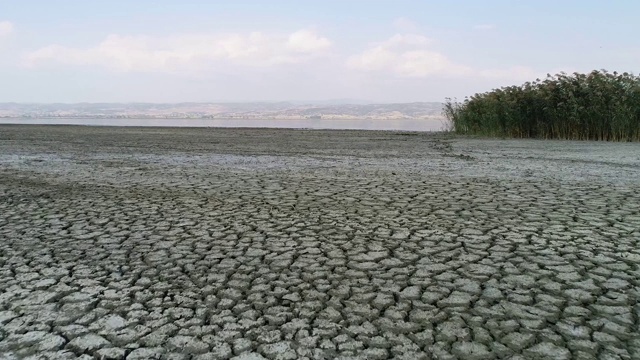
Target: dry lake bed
{"x":166,"y":243}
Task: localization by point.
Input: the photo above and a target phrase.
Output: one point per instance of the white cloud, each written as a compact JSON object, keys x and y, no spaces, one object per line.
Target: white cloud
{"x":374,"y":59}
{"x":405,"y":25}
{"x":306,"y":41}
{"x":6,"y":28}
{"x":399,"y":40}
{"x":188,"y":52}
{"x":405,"y":55}
{"x":422,"y":63}
{"x":410,"y":55}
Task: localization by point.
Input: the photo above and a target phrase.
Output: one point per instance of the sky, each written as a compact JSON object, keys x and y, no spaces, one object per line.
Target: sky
{"x":305,"y":50}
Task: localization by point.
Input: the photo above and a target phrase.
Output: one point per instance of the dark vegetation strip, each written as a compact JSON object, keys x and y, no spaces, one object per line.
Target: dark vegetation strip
{"x":595,"y":106}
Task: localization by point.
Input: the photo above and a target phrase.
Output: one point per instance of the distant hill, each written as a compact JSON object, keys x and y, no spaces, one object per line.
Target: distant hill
{"x":251,"y":110}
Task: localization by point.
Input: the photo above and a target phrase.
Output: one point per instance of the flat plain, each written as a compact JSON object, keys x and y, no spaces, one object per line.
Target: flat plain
{"x":167,"y":243}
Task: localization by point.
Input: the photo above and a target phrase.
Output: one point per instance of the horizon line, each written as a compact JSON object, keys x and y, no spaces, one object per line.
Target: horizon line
{"x":300,"y":102}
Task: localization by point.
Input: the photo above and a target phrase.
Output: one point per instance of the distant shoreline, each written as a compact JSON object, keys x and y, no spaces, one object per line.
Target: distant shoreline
{"x":141,"y":117}
{"x":229,"y":111}
{"x":288,"y":123}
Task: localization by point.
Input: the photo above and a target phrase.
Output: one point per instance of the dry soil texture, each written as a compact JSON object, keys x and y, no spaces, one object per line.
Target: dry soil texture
{"x":289,"y":244}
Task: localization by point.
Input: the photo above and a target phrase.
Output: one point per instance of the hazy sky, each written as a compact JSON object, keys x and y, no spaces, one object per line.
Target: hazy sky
{"x":272,"y":50}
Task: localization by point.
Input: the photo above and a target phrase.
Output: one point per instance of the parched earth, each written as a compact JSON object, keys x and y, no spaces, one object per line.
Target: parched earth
{"x":151,"y":243}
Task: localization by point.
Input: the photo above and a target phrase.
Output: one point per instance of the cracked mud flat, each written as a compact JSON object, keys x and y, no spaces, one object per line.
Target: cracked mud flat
{"x":288,"y":244}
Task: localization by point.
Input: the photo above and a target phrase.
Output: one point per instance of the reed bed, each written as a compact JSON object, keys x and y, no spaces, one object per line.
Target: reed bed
{"x":595,"y":106}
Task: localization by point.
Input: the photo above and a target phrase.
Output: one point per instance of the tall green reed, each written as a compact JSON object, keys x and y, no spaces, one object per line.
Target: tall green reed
{"x":595,"y":106}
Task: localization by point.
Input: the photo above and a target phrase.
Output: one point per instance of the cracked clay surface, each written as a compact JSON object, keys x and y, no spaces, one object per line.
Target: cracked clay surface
{"x":292,"y":244}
